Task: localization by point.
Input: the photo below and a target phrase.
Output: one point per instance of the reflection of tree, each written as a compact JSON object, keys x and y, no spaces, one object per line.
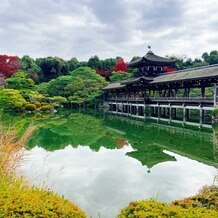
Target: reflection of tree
{"x":148,"y":140}
{"x":58,"y":131}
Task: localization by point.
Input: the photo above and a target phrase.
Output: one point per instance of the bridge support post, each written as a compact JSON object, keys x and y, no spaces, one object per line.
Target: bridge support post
{"x":149,"y":111}
{"x":137,"y":110}
{"x":184,"y":114}
{"x":158,"y":112}
{"x":170,"y":113}
{"x":130,"y":109}
{"x":201,"y":117}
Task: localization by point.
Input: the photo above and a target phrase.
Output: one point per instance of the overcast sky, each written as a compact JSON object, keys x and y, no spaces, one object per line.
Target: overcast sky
{"x":108,"y":28}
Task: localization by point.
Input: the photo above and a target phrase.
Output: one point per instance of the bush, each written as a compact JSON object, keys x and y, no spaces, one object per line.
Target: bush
{"x":207,"y":198}
{"x":45,"y":108}
{"x":18,"y":200}
{"x":11,"y":99}
{"x":38,"y":104}
{"x":152,"y":209}
{"x":30,"y":107}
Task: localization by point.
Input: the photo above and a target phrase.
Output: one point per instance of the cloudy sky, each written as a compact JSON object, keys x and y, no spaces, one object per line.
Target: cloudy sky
{"x":108,"y":28}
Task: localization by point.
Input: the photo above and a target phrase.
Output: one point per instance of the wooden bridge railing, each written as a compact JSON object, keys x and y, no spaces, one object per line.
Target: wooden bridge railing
{"x":164,"y":99}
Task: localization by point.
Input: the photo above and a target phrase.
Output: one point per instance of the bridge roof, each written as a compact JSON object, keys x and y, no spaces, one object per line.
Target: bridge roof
{"x":151,"y":58}
{"x":116,"y":85}
{"x":137,"y":80}
{"x":188,"y":74}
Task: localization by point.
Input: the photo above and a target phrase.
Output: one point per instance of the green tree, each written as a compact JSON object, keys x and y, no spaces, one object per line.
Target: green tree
{"x":30,"y":66}
{"x":135,"y":58}
{"x":95,"y":63}
{"x":58,"y":86}
{"x":73,"y":64}
{"x":211,"y":58}
{"x":42,"y":88}
{"x":85,"y":86}
{"x":17,"y":82}
{"x":108,"y":64}
{"x":119,"y":75}
{"x":52,"y":67}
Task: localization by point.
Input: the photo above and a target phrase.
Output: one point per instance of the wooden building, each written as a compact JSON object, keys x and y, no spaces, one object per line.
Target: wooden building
{"x":167,"y":96}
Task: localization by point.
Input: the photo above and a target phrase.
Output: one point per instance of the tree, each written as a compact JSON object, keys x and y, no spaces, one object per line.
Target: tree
{"x":85,"y":86}
{"x":52,"y":68}
{"x":2,"y":81}
{"x":121,"y":65}
{"x":19,"y":81}
{"x":29,"y":65}
{"x":211,"y":58}
{"x":58,"y":86}
{"x":135,"y":58}
{"x":108,"y":64}
{"x":94,"y":63}
{"x":8,"y":65}
{"x":120,"y":75}
{"x":73,"y":64}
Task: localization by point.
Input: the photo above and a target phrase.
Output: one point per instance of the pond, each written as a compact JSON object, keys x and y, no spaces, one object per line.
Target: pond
{"x":104,"y":162}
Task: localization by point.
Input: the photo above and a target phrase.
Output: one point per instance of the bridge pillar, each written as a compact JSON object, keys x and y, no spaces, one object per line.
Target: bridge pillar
{"x":130,"y":109}
{"x":137,"y":110}
{"x":144,"y":111}
{"x":201,"y":117}
{"x":184,"y":114}
{"x":158,"y":112}
{"x":170,"y":113}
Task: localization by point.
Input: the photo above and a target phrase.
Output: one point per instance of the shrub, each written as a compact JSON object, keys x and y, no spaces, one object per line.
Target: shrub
{"x":19,"y":200}
{"x":30,"y":107}
{"x":45,"y":108}
{"x":38,"y":104}
{"x":10,"y":99}
{"x":152,"y":208}
{"x":207,"y":198}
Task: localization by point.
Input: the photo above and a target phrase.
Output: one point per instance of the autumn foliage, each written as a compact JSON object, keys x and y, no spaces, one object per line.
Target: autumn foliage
{"x":168,"y":69}
{"x":121,"y":65}
{"x":8,"y":65}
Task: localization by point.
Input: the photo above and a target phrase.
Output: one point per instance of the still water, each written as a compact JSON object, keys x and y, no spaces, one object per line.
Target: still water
{"x":103,"y":163}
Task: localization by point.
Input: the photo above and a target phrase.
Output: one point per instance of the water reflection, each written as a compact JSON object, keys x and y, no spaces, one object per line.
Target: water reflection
{"x":103,"y":164}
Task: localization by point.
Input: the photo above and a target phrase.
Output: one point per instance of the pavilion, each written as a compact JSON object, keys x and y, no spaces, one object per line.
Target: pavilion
{"x":158,"y":92}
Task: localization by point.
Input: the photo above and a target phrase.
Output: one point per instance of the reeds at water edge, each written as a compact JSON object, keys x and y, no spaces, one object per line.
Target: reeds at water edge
{"x":12,"y":149}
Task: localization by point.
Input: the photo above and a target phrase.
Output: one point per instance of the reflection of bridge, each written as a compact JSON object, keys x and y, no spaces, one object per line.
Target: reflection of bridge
{"x":154,"y":138}
{"x":168,"y":97}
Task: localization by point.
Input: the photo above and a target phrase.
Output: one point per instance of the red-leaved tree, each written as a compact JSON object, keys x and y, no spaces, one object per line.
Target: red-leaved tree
{"x":168,"y":69}
{"x":8,"y":65}
{"x":121,"y":65}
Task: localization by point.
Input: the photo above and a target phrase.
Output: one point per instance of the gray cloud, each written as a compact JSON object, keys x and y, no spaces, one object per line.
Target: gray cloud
{"x":107,"y":28}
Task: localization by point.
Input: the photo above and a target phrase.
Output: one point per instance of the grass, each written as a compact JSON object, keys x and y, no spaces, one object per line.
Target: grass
{"x":12,"y":149}
{"x":17,"y":198}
